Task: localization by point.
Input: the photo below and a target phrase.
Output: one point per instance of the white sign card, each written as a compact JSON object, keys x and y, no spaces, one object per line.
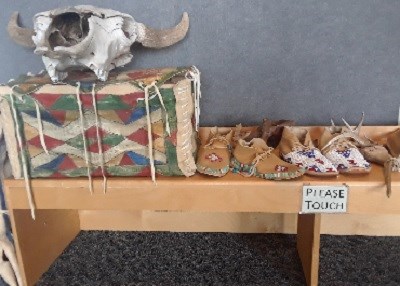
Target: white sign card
{"x":324,"y":199}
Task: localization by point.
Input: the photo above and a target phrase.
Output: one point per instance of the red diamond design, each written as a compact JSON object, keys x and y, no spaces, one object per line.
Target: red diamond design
{"x":87,"y":99}
{"x":131,"y":98}
{"x":173,"y":138}
{"x":94,"y":148}
{"x":98,"y":172}
{"x":67,"y":163}
{"x":92,"y":133}
{"x":146,"y":172}
{"x":50,"y":142}
{"x":57,"y":175}
{"x":58,"y":115}
{"x":126,"y":160}
{"x":47,"y":99}
{"x":139,"y":136}
{"x":125,"y":115}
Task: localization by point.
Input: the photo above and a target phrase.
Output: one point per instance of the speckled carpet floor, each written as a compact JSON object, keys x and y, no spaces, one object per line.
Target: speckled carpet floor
{"x":138,"y":258}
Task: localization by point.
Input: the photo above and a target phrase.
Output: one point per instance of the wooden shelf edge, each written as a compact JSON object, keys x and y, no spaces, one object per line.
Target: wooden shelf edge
{"x":233,"y":193}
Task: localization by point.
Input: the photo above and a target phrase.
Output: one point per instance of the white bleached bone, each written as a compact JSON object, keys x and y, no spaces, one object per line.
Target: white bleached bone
{"x":89,"y":37}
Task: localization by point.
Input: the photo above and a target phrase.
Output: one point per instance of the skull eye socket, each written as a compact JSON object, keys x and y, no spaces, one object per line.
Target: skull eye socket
{"x":68,"y":29}
{"x":4,"y":257}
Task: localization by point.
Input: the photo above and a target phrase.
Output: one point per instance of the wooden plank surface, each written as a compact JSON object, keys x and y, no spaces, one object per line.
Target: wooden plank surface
{"x":308,"y":243}
{"x":355,"y":224}
{"x":39,"y":242}
{"x":232,"y":193}
{"x":118,"y":220}
{"x":249,"y":222}
{"x":59,"y":201}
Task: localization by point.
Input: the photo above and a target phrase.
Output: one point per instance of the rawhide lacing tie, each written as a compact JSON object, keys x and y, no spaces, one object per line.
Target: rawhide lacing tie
{"x":99,"y":143}
{"x":218,"y":138}
{"x":79,"y":102}
{"x":22,"y":153}
{"x":149,"y":133}
{"x":40,"y":126}
{"x":259,"y":157}
{"x":391,"y":165}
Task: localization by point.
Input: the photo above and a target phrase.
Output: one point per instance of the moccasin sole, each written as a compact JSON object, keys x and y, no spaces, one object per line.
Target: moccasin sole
{"x":244,"y":170}
{"x":322,"y":174}
{"x":212,"y":172}
{"x":355,"y":170}
{"x":281,"y":176}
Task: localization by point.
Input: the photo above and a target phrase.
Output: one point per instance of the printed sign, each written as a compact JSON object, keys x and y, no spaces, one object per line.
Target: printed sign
{"x":324,"y":199}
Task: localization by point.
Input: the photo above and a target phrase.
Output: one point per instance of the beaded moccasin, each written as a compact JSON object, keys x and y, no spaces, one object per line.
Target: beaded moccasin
{"x":255,"y":158}
{"x":213,"y":156}
{"x":296,"y":147}
{"x":388,"y":156}
{"x":339,"y":145}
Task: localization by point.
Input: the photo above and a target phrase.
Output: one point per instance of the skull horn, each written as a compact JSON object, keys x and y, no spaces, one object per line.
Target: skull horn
{"x":21,"y":36}
{"x":158,"y":39}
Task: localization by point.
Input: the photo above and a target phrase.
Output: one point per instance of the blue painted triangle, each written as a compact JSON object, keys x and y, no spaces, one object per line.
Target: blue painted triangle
{"x":139,"y":112}
{"x":53,"y":164}
{"x":141,"y":160}
{"x":45,"y":116}
{"x":138,"y":159}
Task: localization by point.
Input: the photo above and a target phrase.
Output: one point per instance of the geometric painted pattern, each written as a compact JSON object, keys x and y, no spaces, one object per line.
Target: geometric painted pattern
{"x":121,"y":117}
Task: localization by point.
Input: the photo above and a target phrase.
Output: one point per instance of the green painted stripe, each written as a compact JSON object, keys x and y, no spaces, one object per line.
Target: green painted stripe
{"x":113,"y":139}
{"x":66,"y":102}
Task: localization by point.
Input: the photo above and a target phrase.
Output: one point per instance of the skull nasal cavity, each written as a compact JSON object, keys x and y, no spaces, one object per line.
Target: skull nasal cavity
{"x":68,"y":29}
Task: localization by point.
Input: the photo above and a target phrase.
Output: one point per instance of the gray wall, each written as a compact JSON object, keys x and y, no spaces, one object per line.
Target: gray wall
{"x":300,"y":59}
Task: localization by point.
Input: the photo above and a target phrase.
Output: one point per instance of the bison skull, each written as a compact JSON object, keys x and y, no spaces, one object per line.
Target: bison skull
{"x":89,"y":37}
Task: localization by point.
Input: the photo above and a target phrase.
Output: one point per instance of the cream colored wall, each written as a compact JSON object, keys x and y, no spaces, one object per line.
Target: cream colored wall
{"x":236,"y":222}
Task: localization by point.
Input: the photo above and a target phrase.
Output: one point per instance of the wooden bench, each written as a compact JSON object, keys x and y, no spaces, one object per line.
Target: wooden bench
{"x":60,"y":202}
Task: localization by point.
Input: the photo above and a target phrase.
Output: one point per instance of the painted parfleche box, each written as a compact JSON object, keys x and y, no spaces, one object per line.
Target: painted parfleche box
{"x":137,"y":121}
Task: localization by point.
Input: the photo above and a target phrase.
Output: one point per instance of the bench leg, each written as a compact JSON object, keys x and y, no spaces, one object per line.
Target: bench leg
{"x":39,"y":242}
{"x":308,"y":241}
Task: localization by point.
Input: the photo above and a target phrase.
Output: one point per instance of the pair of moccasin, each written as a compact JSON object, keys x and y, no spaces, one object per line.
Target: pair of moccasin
{"x":387,"y":156}
{"x":249,"y":158}
{"x":295,"y":146}
{"x":343,"y":150}
{"x":337,"y":155}
{"x":255,"y":158}
{"x":340,"y":146}
{"x":337,"y":150}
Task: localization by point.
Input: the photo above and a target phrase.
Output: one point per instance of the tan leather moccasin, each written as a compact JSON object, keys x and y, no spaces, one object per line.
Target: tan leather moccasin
{"x":213,"y":156}
{"x":255,"y":158}
{"x":296,"y":147}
